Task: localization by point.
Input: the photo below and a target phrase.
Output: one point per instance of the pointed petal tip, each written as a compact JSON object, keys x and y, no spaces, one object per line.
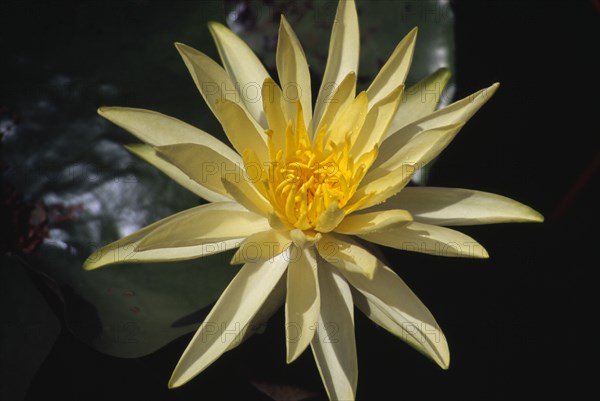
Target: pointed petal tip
{"x":89,"y":265}
{"x":214,"y":26}
{"x":188,"y":52}
{"x":441,"y":355}
{"x":487,"y":93}
{"x":285,"y":27}
{"x":109,"y":111}
{"x":291,"y":356}
{"x":182,"y":48}
{"x":174,"y":383}
{"x":531,"y":215}
{"x":484,"y":254}
{"x":444,"y":363}
{"x":178,"y":378}
{"x":237,"y":259}
{"x":93,"y":261}
{"x":444,"y":72}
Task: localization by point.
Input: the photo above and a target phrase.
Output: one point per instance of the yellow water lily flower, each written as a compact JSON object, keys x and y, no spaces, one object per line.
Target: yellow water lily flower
{"x":303,"y":191}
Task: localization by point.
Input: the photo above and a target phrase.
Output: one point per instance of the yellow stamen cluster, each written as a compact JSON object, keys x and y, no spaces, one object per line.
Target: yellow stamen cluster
{"x":305,"y":178}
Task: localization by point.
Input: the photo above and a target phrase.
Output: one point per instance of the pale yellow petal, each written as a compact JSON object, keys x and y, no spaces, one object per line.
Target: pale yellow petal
{"x":419,"y":151}
{"x":420,"y":100}
{"x":241,"y":130}
{"x":302,"y":304}
{"x":457,"y":113}
{"x":244,"y":68}
{"x":159,"y":130}
{"x":212,"y":170}
{"x":338,"y":101}
{"x":212,"y":80}
{"x":261,"y":246}
{"x":124,"y":250}
{"x":459,"y":207}
{"x":430,"y":239}
{"x":365,"y":223}
{"x":350,"y":121}
{"x":375,"y":191}
{"x":330,"y":218}
{"x":275,"y":111}
{"x":334,"y":345}
{"x":304,"y":239}
{"x":249,"y":196}
{"x":390,"y":176}
{"x":346,"y":254}
{"x":229,"y":318}
{"x":394,"y":71}
{"x":404,"y":314}
{"x":208,"y":223}
{"x":294,"y":76}
{"x":376,"y":124}
{"x":147,"y":153}
{"x":343,"y":54}
{"x":271,"y":305}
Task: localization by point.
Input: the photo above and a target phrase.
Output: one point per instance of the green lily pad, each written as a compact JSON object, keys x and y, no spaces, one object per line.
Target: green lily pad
{"x":28,"y":330}
{"x":95,"y":195}
{"x":132,"y":309}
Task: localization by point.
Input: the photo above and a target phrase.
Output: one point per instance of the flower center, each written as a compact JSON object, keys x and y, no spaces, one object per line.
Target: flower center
{"x":306,"y":178}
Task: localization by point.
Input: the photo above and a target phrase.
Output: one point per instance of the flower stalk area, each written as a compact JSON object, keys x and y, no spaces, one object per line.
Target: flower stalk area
{"x":303,"y":189}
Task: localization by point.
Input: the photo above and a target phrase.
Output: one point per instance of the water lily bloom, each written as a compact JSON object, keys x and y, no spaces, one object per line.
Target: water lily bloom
{"x":303,"y":191}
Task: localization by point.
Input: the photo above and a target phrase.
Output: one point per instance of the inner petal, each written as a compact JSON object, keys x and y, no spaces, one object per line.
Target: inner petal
{"x":304,"y":179}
